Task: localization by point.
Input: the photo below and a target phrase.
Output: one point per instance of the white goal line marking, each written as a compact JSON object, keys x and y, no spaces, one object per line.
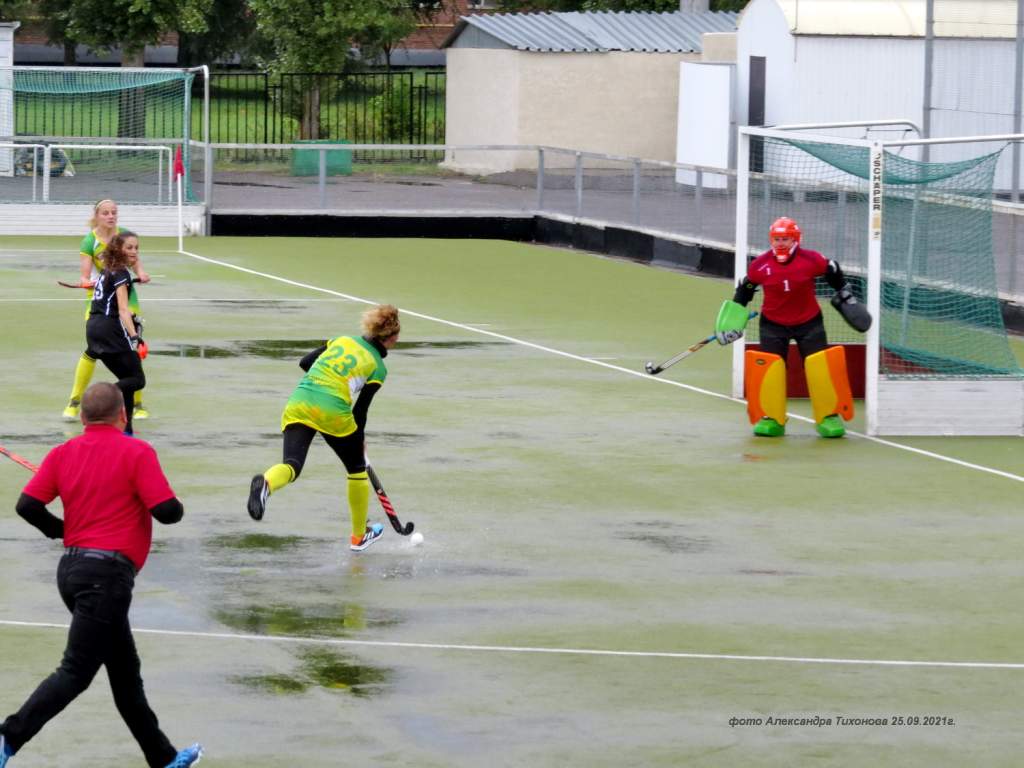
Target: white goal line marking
{"x":289,"y":639}
{"x":592,"y":361}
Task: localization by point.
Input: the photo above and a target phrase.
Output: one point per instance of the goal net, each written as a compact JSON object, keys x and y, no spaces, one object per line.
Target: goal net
{"x":63,"y":110}
{"x":915,"y":238}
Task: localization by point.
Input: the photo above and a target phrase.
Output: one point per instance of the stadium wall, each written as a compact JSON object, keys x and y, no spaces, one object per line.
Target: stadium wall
{"x":644,"y":247}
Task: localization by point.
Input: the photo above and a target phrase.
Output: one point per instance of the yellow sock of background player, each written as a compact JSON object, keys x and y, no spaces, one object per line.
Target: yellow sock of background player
{"x":83,"y":375}
{"x":358,"y":503}
{"x":278,"y":476}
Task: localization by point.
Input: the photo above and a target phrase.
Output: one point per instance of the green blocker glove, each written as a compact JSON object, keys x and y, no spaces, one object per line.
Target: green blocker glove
{"x":732,"y":319}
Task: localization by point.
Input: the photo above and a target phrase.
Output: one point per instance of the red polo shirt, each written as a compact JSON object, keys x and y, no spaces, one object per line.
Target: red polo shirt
{"x":788,"y":288}
{"x":107,"y":483}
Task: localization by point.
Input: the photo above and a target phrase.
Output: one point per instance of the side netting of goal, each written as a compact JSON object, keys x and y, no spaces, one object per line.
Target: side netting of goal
{"x":93,"y":133}
{"x":915,"y":238}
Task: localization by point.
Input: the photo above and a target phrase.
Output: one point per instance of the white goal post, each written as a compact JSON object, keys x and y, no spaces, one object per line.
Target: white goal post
{"x":936,"y":360}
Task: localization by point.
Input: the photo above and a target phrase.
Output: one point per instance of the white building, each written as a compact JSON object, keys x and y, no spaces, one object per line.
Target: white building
{"x":600,"y":82}
{"x":812,"y":61}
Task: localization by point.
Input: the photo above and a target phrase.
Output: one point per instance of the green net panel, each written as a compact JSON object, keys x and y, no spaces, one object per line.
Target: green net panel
{"x":57,"y":105}
{"x":941,"y":316}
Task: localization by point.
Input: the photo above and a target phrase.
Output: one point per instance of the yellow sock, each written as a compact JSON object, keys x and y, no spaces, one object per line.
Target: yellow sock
{"x":278,"y":476}
{"x":83,"y":375}
{"x":138,"y":398}
{"x":359,"y":501}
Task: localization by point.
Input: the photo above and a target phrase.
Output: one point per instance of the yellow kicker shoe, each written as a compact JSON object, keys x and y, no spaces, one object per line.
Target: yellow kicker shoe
{"x":72,"y":411}
{"x":140,"y":413}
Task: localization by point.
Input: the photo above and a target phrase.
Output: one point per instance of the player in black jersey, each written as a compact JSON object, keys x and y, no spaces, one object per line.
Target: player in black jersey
{"x":111,"y":333}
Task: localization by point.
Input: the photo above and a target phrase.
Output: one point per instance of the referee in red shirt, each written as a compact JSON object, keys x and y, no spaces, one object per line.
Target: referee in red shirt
{"x":111,"y":486}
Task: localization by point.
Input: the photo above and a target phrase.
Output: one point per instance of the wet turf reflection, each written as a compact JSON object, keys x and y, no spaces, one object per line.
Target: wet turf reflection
{"x":661,"y":536}
{"x":326,"y":669}
{"x":344,"y":620}
{"x":257,"y":541}
{"x":279,"y":349}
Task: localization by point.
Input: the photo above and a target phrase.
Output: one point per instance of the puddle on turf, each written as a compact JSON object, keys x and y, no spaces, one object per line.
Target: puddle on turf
{"x":294,"y":349}
{"x":660,"y":535}
{"x":343,"y":620}
{"x":256,"y":541}
{"x":326,"y":669}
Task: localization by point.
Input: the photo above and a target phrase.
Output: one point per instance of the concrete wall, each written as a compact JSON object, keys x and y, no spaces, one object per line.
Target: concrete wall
{"x":614,"y":103}
{"x":617,"y":103}
{"x":482,"y":106}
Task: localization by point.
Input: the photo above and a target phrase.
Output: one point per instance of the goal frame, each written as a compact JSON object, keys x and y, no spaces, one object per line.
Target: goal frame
{"x":893,"y":406}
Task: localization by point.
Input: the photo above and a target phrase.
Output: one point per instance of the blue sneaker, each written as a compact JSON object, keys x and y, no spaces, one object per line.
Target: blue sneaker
{"x":373,"y":532}
{"x":187,"y":757}
{"x":5,"y":751}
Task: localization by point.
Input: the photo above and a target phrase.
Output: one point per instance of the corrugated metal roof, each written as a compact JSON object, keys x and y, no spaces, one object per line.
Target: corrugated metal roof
{"x":901,"y":18}
{"x":676,"y":32}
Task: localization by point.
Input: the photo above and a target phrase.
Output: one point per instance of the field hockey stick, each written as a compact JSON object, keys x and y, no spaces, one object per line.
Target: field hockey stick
{"x":88,"y":288}
{"x":385,"y":502}
{"x":18,"y":460}
{"x":654,"y":370}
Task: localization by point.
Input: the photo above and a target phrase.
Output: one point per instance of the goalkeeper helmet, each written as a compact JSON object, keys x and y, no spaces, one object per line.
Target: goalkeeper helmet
{"x":784,"y":235}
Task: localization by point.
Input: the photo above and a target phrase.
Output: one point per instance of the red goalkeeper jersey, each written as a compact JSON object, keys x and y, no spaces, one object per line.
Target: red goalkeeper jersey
{"x":789,"y":297}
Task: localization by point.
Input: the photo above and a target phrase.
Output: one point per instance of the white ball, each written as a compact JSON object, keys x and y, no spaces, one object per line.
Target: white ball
{"x":416,"y":539}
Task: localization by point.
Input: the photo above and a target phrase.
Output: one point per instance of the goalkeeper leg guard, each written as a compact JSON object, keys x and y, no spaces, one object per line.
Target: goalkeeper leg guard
{"x":83,"y":375}
{"x":765,"y":376}
{"x":829,"y":387}
{"x":358,"y":502}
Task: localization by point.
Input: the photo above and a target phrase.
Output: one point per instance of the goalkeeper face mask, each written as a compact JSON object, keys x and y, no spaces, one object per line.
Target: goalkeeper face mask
{"x":784,"y":235}
{"x":783,"y":248}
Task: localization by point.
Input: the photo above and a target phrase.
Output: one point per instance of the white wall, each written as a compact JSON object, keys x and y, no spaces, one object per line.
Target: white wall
{"x":763,"y":31}
{"x":7,"y":94}
{"x":614,"y":103}
{"x":482,"y":106}
{"x":705,"y":129}
{"x":617,"y":103}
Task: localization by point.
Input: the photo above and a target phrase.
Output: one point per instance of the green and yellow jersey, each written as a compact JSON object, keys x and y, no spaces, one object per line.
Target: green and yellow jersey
{"x":323,"y":399}
{"x":93,"y":247}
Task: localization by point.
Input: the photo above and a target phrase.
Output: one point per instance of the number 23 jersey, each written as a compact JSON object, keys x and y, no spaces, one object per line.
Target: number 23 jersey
{"x":789,"y":297}
{"x":323,"y":399}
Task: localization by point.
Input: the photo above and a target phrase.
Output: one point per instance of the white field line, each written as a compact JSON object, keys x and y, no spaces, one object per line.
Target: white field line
{"x":524,"y":649}
{"x":592,"y":361}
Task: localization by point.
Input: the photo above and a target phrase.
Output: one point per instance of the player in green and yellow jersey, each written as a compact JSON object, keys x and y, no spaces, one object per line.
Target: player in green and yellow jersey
{"x":332,"y":399}
{"x":102,"y":227}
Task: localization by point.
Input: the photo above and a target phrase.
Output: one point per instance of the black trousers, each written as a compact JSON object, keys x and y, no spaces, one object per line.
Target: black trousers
{"x":130,"y":378}
{"x":297,"y":438}
{"x":98,"y":592}
{"x":809,"y":337}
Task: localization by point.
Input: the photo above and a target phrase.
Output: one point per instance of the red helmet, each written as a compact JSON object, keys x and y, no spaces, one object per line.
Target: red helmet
{"x":784,"y":227}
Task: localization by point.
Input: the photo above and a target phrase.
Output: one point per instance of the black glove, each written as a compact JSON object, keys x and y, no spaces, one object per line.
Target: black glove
{"x":138,"y":324}
{"x":853,"y":312}
{"x":133,"y":342}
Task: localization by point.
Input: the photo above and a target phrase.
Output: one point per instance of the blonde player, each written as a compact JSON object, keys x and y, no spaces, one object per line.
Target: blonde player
{"x":332,"y":399}
{"x":102,"y":227}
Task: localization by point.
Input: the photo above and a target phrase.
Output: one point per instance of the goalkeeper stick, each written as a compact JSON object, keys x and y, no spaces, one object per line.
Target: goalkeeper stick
{"x":18,"y":460}
{"x":654,"y":370}
{"x":385,"y":502}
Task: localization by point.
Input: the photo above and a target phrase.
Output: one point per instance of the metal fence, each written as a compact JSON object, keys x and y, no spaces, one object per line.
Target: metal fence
{"x":401,"y":107}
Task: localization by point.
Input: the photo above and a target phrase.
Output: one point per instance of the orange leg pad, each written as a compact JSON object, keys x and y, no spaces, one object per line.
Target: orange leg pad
{"x":829,"y":384}
{"x":766,"y":386}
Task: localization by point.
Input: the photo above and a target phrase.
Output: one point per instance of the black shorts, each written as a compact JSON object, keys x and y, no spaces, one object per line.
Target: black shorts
{"x":105,"y":336}
{"x":809,"y":337}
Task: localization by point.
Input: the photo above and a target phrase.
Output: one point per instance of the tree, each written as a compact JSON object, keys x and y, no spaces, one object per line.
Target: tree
{"x":316,"y":37}
{"x":132,"y":24}
{"x":230,"y":31}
